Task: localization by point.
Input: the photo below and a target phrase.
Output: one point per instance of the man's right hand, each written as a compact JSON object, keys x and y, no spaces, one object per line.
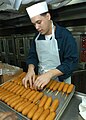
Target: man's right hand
{"x":30,"y":77}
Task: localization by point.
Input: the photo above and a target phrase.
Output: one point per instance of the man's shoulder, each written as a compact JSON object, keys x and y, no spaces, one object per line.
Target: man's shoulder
{"x":61,"y":31}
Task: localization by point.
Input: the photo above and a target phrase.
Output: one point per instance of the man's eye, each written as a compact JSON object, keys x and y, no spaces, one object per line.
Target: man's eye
{"x":39,"y":22}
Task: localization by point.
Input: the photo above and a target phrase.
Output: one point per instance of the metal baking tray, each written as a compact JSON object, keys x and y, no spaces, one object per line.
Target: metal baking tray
{"x":5,"y":108}
{"x":72,"y":110}
{"x":64,"y":101}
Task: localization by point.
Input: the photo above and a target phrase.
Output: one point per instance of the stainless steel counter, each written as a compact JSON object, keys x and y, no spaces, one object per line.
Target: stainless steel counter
{"x":72,"y":111}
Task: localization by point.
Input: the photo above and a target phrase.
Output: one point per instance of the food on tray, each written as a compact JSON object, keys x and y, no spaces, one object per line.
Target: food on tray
{"x":27,"y":108}
{"x":52,"y":85}
{"x":51,"y":116}
{"x":56,"y":86}
{"x":48,"y":85}
{"x":32,"y":111}
{"x":54,"y":105}
{"x":24,"y":105}
{"x":30,"y":94}
{"x":70,"y":88}
{"x":16,"y":102}
{"x":44,"y":114}
{"x":43,"y":101}
{"x":21,"y":88}
{"x":48,"y":103}
{"x":37,"y":105}
{"x":26,"y":93}
{"x":38,"y":113}
{"x":38,"y":97}
{"x":65,"y":88}
{"x":7,"y":96}
{"x":13,"y":100}
{"x":33,"y":96}
{"x":60,"y":87}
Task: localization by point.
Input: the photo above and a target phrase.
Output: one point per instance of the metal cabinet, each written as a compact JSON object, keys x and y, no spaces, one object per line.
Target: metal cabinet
{"x":22,"y":48}
{"x":3,"y":50}
{"x":11,"y":51}
{"x":14,"y":49}
{"x":23,"y":45}
{"x":20,"y":43}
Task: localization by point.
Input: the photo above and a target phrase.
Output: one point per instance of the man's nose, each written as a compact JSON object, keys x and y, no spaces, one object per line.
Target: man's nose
{"x":37,"y":26}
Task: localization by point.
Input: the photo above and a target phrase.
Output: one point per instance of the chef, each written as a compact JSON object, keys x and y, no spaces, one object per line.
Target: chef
{"x":53,"y":53}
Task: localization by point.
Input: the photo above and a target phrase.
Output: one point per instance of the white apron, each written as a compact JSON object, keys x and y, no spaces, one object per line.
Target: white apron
{"x":48,"y":54}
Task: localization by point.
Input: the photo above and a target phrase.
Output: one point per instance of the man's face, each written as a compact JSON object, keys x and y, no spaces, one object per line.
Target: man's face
{"x":42,"y":23}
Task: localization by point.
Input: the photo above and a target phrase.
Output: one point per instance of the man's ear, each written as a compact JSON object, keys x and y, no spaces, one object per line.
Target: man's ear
{"x":48,"y":16}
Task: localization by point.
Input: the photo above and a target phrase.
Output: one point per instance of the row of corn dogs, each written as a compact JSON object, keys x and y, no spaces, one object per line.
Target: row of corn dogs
{"x":59,"y":87}
{"x":52,"y":86}
{"x":31,"y":103}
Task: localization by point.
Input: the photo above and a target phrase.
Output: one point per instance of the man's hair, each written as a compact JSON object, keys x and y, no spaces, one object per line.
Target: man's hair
{"x":43,"y":14}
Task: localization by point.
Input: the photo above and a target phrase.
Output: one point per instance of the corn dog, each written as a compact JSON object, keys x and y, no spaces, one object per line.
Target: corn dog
{"x":38,"y":97}
{"x":65,"y":88}
{"x":60,"y":87}
{"x":5,"y":84}
{"x":10,"y":87}
{"x":37,"y":114}
{"x":28,"y":108}
{"x":3,"y":94}
{"x":24,"y":105}
{"x":16,"y":102}
{"x":9,"y":98}
{"x":13,"y":99}
{"x":6,"y":96}
{"x":43,"y":101}
{"x":30,"y":93}
{"x":33,"y":96}
{"x":56,"y":86}
{"x":22,"y":75}
{"x":48,"y":103}
{"x":20,"y":90}
{"x":54,"y":105}
{"x":14,"y":88}
{"x":17,"y":89}
{"x":48,"y":85}
{"x":32,"y":111}
{"x":52,"y":85}
{"x":26,"y":92}
{"x":70,"y":88}
{"x":44,"y":114}
{"x":51,"y":116}
{"x":1,"y":89}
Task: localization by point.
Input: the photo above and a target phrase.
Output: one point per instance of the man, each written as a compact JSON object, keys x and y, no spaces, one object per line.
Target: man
{"x":53,"y":52}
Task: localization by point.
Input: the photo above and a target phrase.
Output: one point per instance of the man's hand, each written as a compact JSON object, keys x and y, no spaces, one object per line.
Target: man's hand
{"x":42,"y":80}
{"x":30,"y":77}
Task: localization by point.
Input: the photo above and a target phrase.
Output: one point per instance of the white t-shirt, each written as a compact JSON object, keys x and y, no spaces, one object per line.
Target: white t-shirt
{"x":48,"y":37}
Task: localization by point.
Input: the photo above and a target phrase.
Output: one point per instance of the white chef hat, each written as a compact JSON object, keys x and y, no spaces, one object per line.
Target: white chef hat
{"x":37,"y":9}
